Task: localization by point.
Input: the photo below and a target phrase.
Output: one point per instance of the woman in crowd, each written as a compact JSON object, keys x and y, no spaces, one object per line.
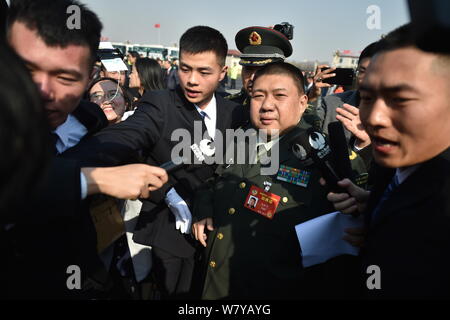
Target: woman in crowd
{"x":110,"y":97}
{"x":146,"y":75}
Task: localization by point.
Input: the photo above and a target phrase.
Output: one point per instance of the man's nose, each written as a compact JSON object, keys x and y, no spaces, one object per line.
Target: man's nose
{"x":268,"y":104}
{"x":193,"y":79}
{"x":44,"y":85}
{"x":375,"y":115}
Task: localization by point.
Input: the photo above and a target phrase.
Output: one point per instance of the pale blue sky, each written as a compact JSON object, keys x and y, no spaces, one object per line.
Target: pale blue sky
{"x":321,"y":26}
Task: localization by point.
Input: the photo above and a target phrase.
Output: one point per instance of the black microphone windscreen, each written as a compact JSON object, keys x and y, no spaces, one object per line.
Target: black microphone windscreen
{"x":339,"y":150}
{"x":314,"y":144}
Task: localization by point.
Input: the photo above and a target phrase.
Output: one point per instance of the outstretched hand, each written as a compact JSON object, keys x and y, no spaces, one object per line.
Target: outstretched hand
{"x":349,"y":116}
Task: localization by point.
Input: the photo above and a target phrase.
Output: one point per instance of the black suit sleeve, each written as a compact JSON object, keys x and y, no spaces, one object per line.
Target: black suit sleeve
{"x":59,"y":194}
{"x":124,"y":142}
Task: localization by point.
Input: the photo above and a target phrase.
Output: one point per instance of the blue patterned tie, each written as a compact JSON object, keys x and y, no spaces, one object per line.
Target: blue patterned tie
{"x":394,"y":183}
{"x":203,"y":114}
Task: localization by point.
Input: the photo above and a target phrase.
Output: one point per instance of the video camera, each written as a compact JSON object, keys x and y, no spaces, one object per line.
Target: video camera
{"x":285,"y":28}
{"x":107,"y":54}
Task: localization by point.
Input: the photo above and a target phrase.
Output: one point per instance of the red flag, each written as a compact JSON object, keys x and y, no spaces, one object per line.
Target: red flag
{"x":157,"y":25}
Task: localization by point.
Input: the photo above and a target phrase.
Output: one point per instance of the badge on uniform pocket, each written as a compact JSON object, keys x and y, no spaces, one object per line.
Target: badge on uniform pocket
{"x":262,"y":202}
{"x":362,"y":179}
{"x":294,"y":176}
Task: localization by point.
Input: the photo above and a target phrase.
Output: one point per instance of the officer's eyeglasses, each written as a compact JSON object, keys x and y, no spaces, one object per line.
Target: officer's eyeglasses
{"x":99,"y":97}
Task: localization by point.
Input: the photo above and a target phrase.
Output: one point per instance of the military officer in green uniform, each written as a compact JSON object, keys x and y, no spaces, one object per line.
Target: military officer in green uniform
{"x":260,"y":46}
{"x":247,"y":219}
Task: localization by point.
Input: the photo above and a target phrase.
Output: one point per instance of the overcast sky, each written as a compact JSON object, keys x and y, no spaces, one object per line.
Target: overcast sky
{"x":321,"y":26}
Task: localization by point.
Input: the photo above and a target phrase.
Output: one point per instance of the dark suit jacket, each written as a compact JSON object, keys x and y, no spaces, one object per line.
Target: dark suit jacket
{"x":58,"y":196}
{"x":56,"y":229}
{"x":327,"y":111}
{"x":147,"y":133}
{"x":171,"y":78}
{"x":410,"y":237}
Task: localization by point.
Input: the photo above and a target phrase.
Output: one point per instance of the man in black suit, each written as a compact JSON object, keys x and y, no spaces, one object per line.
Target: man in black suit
{"x":162,"y":123}
{"x":405,"y":109}
{"x":49,"y":234}
{"x":170,"y":75}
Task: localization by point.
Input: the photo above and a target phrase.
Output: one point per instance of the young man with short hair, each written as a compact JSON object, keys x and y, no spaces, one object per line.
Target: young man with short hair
{"x":59,"y":231}
{"x":405,"y":109}
{"x":165,"y":219}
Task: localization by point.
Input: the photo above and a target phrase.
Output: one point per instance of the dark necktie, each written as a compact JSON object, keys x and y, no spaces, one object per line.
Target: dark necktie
{"x":53,"y":140}
{"x":387,"y":193}
{"x":203,"y":114}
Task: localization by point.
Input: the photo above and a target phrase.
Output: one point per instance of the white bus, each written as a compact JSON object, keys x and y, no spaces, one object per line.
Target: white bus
{"x":123,"y":47}
{"x":172,"y":53}
{"x":150,"y":51}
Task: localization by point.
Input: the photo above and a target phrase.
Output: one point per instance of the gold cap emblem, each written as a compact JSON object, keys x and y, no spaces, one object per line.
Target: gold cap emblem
{"x":255,"y":39}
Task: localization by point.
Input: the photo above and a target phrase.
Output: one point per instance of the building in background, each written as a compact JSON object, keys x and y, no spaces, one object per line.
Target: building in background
{"x":345,"y":59}
{"x":233,"y":56}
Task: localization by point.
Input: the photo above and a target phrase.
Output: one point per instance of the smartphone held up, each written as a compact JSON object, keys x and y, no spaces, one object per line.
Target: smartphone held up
{"x":344,"y":76}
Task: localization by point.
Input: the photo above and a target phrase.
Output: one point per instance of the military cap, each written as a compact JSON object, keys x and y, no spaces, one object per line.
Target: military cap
{"x":260,"y":46}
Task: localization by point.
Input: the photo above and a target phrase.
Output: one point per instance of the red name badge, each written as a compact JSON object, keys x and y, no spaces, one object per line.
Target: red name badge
{"x":262,"y":202}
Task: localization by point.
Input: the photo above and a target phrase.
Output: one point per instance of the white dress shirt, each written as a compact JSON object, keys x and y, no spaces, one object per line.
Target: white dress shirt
{"x":211,"y":116}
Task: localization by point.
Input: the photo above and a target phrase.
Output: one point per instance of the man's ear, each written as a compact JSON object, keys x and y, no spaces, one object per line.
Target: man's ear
{"x":223,"y":72}
{"x":303,"y":104}
{"x":303,"y":101}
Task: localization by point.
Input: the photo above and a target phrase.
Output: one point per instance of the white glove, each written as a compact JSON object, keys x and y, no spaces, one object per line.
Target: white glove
{"x":179,"y":208}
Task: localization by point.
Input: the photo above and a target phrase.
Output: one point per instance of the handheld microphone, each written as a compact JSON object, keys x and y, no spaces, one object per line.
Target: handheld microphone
{"x":339,"y":150}
{"x":173,"y":165}
{"x":314,"y":144}
{"x":199,"y":152}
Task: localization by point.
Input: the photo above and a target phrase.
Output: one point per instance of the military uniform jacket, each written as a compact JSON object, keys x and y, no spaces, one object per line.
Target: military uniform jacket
{"x":252,"y":257}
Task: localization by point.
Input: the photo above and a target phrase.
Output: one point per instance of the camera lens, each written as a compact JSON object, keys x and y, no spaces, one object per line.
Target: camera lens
{"x":285,"y":28}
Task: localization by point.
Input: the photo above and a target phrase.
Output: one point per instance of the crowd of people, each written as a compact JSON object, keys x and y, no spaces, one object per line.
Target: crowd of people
{"x":84,"y":186}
